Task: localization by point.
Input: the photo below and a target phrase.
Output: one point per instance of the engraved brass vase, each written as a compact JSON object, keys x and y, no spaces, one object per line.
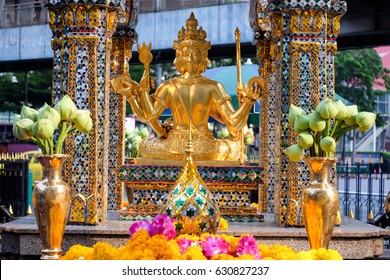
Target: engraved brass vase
{"x":51,"y":200}
{"x":320,"y":202}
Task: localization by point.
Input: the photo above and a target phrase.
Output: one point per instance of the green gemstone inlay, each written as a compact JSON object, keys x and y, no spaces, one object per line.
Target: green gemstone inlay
{"x":190,"y":213}
{"x":202,"y":225}
{"x":199,"y":201}
{"x":176,"y":190}
{"x":179,"y":203}
{"x":190,"y":191}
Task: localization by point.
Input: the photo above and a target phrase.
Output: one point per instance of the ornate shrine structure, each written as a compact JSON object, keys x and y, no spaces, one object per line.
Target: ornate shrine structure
{"x":296,"y":45}
{"x":92,"y":43}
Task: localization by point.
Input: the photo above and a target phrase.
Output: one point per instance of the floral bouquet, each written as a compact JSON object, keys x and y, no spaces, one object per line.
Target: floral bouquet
{"x":133,"y":139}
{"x":320,"y":131}
{"x":158,"y":240}
{"x":39,"y":126}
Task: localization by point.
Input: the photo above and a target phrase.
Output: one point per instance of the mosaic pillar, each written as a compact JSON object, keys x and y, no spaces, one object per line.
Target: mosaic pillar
{"x":302,"y":44}
{"x":82,"y":41}
{"x":122,"y":44}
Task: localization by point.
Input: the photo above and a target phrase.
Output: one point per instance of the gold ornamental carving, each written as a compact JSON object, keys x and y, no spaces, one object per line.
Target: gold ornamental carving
{"x":56,"y":19}
{"x":333,"y":25}
{"x":306,"y":21}
{"x":83,"y":15}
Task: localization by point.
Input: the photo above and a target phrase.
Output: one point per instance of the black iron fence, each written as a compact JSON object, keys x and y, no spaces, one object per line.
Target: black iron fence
{"x":15,"y":192}
{"x":363,"y":188}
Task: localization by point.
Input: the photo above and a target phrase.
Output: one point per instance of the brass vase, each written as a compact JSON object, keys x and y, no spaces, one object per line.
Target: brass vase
{"x":320,"y":202}
{"x":51,"y":201}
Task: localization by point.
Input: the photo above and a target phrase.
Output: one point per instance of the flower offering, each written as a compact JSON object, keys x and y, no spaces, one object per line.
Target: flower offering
{"x":39,"y":126}
{"x":320,"y":131}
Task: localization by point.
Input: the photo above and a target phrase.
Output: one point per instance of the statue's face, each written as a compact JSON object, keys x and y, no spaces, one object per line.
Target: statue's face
{"x":189,"y":60}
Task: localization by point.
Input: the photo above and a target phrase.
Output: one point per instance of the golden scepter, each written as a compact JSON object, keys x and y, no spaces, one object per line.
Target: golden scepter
{"x":237,"y":34}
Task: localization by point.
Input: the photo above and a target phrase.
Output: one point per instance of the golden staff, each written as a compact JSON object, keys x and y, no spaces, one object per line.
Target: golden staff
{"x":237,"y":34}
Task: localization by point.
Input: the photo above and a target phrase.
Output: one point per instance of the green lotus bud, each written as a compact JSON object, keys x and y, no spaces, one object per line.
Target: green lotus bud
{"x":44,"y":107}
{"x":83,"y":121}
{"x":365,"y":120}
{"x":29,"y":113}
{"x":305,"y":139}
{"x":327,"y":109}
{"x":342,"y":110}
{"x":144,"y":132}
{"x":293,"y":113}
{"x":127,"y":133}
{"x":17,"y":118}
{"x":352,"y":112}
{"x":294,"y":152}
{"x":249,"y":139}
{"x":43,"y":129}
{"x":316,"y":122}
{"x":135,"y":150}
{"x":223,"y":133}
{"x":66,"y":108}
{"x":301,"y":122}
{"x":51,"y":114}
{"x":328,"y":144}
{"x":136,"y":139}
{"x":23,"y":129}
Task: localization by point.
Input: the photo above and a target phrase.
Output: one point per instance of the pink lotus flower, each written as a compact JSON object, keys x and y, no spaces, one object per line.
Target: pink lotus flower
{"x":184,"y":243}
{"x":248,"y":245}
{"x":162,"y":224}
{"x":214,"y":246}
{"x":143,"y":224}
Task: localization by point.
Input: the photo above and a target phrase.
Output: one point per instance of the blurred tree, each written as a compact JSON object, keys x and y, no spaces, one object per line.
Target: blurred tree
{"x":14,"y":91}
{"x":356,"y":72}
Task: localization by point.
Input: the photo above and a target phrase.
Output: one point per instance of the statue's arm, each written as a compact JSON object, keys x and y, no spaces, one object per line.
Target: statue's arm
{"x":136,"y":108}
{"x":233,"y":119}
{"x":128,"y":88}
{"x":153,"y":106}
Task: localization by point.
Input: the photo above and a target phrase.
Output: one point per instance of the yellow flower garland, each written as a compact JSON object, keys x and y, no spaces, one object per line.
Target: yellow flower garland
{"x":142,"y":246}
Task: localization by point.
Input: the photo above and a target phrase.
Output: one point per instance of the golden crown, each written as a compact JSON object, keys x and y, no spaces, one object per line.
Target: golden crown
{"x":192,"y":33}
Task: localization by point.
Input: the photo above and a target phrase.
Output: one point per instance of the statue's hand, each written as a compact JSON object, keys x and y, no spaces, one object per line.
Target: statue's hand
{"x":255,"y":88}
{"x":145,"y":55}
{"x":252,"y":92}
{"x":124,"y":85}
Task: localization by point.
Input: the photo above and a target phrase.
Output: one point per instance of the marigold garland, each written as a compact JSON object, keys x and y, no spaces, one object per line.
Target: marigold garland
{"x":164,"y":246}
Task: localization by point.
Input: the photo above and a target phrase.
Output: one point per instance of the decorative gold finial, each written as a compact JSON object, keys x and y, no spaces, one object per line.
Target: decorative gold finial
{"x":371,"y":215}
{"x":29,"y":211}
{"x":192,"y":33}
{"x":351,"y":214}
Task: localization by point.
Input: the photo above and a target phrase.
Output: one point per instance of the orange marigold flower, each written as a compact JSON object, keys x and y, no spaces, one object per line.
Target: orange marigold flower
{"x":191,"y":225}
{"x":193,"y":253}
{"x":223,"y":224}
{"x":77,"y":252}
